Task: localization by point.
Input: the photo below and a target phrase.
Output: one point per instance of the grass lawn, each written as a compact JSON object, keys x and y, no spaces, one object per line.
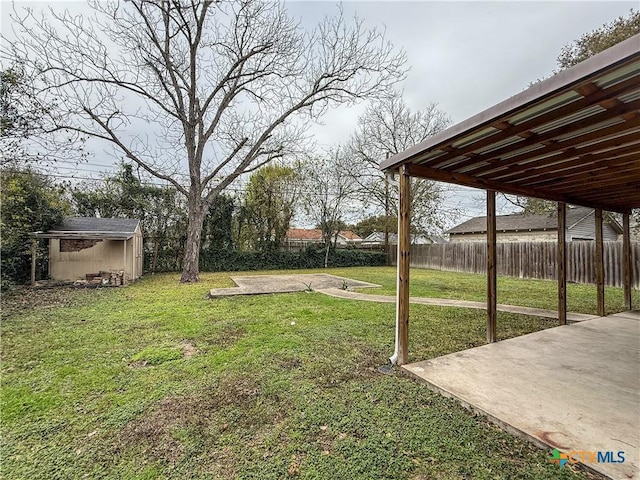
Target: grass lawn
{"x":154,"y":381}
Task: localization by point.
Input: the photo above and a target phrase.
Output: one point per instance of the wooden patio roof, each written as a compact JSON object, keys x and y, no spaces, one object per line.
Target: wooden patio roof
{"x":573,"y":138}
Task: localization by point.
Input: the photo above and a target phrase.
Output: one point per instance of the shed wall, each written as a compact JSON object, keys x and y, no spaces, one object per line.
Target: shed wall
{"x":105,"y":255}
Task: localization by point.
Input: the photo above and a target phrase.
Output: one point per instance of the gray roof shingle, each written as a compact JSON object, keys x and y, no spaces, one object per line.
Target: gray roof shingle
{"x":520,"y":221}
{"x":88,"y":224}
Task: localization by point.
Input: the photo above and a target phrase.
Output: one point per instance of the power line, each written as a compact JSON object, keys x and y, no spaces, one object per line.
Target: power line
{"x":452,"y":208}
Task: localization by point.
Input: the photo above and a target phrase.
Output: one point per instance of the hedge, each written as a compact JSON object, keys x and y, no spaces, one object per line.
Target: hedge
{"x":229,"y":261}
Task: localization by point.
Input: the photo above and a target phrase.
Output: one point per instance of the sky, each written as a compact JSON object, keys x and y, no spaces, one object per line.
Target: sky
{"x":464,"y":56}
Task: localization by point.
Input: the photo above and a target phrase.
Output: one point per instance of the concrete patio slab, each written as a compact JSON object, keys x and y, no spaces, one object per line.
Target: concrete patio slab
{"x":263,"y":284}
{"x":574,"y":387}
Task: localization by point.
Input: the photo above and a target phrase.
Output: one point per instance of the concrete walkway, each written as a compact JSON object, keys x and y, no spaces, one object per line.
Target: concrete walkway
{"x":444,"y":302}
{"x":573,"y":387}
{"x":339,"y":287}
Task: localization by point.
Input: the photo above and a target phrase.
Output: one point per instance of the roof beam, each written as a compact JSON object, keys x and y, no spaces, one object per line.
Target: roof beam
{"x":513,"y":130}
{"x":575,"y":170}
{"x":470,"y":181}
{"x":542,"y":169}
{"x":619,"y":130}
{"x":493,"y":156}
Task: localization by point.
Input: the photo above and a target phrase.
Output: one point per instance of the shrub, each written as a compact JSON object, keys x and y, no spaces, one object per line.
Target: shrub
{"x":228,"y":261}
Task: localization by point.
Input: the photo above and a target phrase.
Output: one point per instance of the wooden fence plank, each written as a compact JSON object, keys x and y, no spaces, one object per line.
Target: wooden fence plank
{"x":518,"y":259}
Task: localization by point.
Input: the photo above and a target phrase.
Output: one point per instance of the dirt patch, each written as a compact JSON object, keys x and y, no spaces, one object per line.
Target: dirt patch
{"x":153,"y":431}
{"x":289,"y":363}
{"x":188,"y":350}
{"x":225,"y":337}
{"x":294,"y":465}
{"x":361,"y":362}
{"x":22,"y":299}
{"x":233,"y":404}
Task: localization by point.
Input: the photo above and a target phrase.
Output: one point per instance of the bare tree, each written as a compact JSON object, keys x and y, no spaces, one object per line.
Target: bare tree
{"x":25,"y":125}
{"x":327,"y":195}
{"x":198,"y":93}
{"x":386,"y":128}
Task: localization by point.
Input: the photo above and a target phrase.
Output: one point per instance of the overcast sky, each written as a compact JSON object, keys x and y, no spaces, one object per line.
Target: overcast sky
{"x":464,"y":56}
{"x":468,"y":56}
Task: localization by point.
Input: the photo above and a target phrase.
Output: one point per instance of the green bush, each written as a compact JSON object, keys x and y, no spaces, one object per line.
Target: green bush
{"x":30,"y":202}
{"x":229,"y":261}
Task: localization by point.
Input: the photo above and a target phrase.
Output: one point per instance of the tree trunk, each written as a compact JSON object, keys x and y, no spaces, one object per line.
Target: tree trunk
{"x":326,"y":255}
{"x":190,"y":262}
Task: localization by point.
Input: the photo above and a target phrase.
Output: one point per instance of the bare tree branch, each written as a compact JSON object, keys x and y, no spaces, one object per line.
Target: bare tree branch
{"x":388,"y":127}
{"x":211,"y":89}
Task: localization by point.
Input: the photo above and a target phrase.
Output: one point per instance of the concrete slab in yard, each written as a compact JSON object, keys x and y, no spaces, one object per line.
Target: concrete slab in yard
{"x":574,"y":387}
{"x":262,"y":284}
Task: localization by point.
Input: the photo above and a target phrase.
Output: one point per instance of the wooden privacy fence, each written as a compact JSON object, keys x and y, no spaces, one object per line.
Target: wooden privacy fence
{"x":527,"y":260}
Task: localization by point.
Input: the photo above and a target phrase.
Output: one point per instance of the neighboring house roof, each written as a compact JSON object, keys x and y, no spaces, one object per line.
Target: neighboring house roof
{"x":349,"y":235}
{"x":304,"y":234}
{"x":316,"y":234}
{"x":437,"y":239}
{"x":519,"y":222}
{"x":91,"y":227}
{"x":393,"y":238}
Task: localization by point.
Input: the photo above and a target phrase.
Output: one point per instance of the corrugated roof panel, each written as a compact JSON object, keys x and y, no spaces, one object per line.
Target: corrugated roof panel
{"x":598,"y":140}
{"x":503,"y":143}
{"x":485,"y":132}
{"x":544,"y":107}
{"x":631,"y":96}
{"x":477,"y":165}
{"x":619,"y":75}
{"x":533,"y":148}
{"x":432,"y":155}
{"x":451,"y":161}
{"x":574,"y":117}
{"x":591,"y":128}
{"x":520,"y":151}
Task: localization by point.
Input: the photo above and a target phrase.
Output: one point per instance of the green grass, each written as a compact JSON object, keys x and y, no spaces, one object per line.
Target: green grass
{"x":154,"y":381}
{"x":156,"y":355}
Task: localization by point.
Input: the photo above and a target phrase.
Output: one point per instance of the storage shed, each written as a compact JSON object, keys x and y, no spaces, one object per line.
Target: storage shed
{"x":83,"y":248}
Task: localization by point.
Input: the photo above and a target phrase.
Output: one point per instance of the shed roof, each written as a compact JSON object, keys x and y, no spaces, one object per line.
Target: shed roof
{"x":574,"y":138}
{"x":521,"y":221}
{"x":92,"y":228}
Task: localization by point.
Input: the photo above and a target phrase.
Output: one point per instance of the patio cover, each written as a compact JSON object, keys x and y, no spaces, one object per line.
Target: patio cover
{"x":573,"y":138}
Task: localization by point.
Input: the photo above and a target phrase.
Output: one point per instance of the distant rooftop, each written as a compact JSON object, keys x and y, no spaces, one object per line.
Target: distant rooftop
{"x":520,"y":221}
